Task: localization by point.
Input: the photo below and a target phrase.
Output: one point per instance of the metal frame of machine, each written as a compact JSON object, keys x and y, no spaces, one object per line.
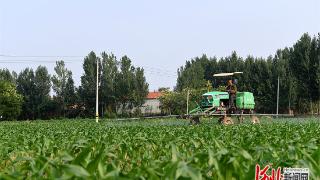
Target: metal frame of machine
{"x":216,"y":103}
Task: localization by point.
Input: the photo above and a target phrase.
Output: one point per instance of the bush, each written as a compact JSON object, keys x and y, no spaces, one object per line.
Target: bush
{"x":10,"y":101}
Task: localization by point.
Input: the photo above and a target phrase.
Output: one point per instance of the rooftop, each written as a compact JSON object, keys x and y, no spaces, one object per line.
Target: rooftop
{"x":153,"y":95}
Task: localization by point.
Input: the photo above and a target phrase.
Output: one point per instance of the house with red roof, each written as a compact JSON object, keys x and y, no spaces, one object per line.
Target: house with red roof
{"x":153,"y":95}
{"x":151,"y":105}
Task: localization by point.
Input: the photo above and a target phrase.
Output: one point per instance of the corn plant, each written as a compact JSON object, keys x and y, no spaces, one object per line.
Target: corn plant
{"x":157,"y":149}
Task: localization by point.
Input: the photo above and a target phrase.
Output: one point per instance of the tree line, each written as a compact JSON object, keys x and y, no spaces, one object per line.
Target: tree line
{"x":297,"y":67}
{"x":122,"y":86}
{"x":27,"y":95}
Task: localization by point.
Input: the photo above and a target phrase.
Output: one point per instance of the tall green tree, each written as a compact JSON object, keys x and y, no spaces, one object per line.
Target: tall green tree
{"x":108,"y":82}
{"x":300,"y":64}
{"x":70,"y":91}
{"x":88,"y":82}
{"x":63,"y":86}
{"x":35,"y":88}
{"x":26,"y":87}
{"x":287,"y":87}
{"x":267,"y":86}
{"x":315,"y":74}
{"x":192,"y":75}
{"x":42,"y":88}
{"x":5,"y":75}
{"x":10,"y":101}
{"x":141,"y":87}
{"x":125,"y":84}
{"x":318,"y":71}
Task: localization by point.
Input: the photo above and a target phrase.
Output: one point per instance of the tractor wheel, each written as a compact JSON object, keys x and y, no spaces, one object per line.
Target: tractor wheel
{"x":255,"y":120}
{"x":221,"y":119}
{"x":226,"y":120}
{"x":195,"y":120}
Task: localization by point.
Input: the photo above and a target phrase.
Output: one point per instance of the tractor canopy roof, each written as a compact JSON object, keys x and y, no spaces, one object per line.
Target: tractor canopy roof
{"x":214,"y":93}
{"x":226,"y":74}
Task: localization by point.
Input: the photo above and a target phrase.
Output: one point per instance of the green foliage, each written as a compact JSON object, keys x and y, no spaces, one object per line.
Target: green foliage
{"x":140,"y":87}
{"x":108,"y":82}
{"x":35,"y":88}
{"x":5,"y":75}
{"x":173,"y":102}
{"x":300,"y":66}
{"x":192,"y":75}
{"x":297,"y":68}
{"x":63,"y":86}
{"x":70,"y":91}
{"x":59,"y":79}
{"x":42,"y":84}
{"x":157,"y":149}
{"x":122,"y":86}
{"x":125,"y":84}
{"x":87,"y":89}
{"x":26,"y":87}
{"x":10,"y":101}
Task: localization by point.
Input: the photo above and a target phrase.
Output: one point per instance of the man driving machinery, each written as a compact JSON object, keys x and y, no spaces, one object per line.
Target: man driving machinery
{"x":232,"y":90}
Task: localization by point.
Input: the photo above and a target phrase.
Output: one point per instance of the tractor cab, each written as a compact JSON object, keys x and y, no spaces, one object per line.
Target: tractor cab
{"x":225,"y":101}
{"x":218,"y":102}
{"x":214,"y":99}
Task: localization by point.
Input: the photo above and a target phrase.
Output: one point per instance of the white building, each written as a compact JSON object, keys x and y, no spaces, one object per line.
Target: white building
{"x":151,"y":105}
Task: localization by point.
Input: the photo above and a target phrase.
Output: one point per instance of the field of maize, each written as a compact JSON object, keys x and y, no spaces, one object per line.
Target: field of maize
{"x":155,"y":149}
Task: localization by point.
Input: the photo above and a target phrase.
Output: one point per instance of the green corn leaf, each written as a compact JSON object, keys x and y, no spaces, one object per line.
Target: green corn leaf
{"x":75,"y":170}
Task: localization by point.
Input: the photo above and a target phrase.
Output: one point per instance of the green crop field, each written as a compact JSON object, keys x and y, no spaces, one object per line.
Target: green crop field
{"x":155,"y":149}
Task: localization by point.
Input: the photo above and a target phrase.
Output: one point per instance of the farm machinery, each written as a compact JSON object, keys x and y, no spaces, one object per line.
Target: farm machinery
{"x":218,"y":103}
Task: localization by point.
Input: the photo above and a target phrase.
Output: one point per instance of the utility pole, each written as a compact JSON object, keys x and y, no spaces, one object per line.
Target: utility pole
{"x":188,"y":102}
{"x":278,"y":98}
{"x":97,"y":94}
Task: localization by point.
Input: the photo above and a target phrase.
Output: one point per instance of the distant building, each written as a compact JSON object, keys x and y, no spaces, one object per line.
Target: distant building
{"x":151,"y":105}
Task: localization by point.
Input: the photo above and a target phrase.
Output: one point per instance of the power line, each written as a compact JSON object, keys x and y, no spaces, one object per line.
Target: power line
{"x":62,"y":56}
{"x":148,"y":69}
{"x":160,"y":71}
{"x":161,"y":75}
{"x":39,"y":56}
{"x":2,"y":61}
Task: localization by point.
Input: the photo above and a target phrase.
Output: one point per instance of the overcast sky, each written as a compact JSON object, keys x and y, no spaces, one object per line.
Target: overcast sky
{"x":157,"y":35}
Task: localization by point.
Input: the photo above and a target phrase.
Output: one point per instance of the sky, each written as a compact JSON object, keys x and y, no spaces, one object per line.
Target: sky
{"x":157,"y":35}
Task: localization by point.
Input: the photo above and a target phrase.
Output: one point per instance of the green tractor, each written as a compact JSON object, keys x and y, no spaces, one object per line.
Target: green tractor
{"x":217,"y":103}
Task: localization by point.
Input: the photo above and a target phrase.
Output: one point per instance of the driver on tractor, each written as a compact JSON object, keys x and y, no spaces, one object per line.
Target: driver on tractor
{"x":232,"y":90}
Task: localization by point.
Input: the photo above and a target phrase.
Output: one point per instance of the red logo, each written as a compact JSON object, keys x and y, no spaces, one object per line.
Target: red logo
{"x":261,"y":174}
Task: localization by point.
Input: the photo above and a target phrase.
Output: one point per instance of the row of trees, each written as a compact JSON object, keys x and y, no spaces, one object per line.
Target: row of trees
{"x":122,"y":86}
{"x":297,"y":68}
{"x":27,"y":95}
